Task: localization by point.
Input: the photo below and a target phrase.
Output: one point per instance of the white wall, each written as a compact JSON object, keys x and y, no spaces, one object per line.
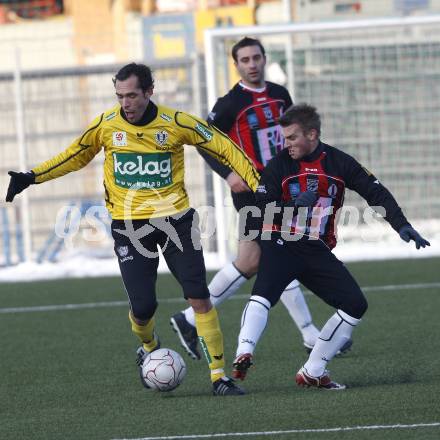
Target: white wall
{"x":42,"y":44}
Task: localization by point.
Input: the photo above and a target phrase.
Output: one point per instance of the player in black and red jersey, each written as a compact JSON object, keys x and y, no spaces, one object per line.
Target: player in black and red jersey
{"x":248,"y":114}
{"x":304,"y":185}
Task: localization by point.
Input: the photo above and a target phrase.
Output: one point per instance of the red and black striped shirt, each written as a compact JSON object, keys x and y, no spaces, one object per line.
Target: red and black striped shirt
{"x":327,"y":172}
{"x":250,"y":118}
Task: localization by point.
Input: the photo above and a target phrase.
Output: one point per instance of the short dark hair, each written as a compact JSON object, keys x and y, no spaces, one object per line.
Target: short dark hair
{"x":141,"y":71}
{"x":244,"y":42}
{"x":304,"y":115}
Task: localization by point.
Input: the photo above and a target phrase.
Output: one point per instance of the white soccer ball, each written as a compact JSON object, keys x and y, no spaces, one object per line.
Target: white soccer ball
{"x":163,"y":369}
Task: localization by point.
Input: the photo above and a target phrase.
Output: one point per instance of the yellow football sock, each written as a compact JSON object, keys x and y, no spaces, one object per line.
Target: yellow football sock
{"x":144,"y":332}
{"x":211,"y":341}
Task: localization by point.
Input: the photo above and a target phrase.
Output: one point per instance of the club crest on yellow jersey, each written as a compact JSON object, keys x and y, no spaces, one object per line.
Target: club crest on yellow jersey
{"x":161,"y":137}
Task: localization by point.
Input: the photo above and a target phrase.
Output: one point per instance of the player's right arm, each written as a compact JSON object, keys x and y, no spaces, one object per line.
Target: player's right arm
{"x":82,"y":150}
{"x":76,"y":156}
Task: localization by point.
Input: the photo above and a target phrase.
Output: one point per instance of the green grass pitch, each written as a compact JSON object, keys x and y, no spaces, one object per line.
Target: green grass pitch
{"x":70,"y":374}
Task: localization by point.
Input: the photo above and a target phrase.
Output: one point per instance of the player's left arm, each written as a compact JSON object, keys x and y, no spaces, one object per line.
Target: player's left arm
{"x":359,"y":179}
{"x":198,"y":133}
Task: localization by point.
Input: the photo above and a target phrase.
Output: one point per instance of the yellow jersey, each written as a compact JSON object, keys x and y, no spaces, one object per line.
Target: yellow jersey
{"x":144,"y":164}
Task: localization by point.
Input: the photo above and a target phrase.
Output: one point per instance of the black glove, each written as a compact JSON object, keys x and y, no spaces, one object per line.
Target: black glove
{"x":408,"y":233}
{"x":306,"y":199}
{"x":18,"y":183}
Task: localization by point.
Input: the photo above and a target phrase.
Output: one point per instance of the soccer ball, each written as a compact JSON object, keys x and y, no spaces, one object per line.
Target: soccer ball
{"x":163,"y":369}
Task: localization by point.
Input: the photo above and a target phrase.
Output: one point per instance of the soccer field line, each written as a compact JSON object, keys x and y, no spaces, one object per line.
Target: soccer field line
{"x":289,"y":431}
{"x":104,"y":304}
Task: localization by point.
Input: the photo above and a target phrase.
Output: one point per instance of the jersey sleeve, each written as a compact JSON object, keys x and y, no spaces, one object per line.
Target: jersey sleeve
{"x":209,"y":139}
{"x":287,"y":100}
{"x":223,"y":120}
{"x":76,"y":156}
{"x":222,"y":170}
{"x":362,"y":181}
{"x":222,"y":115}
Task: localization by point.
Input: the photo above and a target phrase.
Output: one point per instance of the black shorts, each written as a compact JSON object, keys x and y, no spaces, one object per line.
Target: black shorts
{"x":249,"y":225}
{"x":179,"y":239}
{"x":313,"y":264}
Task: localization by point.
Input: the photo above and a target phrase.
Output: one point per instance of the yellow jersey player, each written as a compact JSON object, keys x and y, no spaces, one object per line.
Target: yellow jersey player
{"x":146,"y":197}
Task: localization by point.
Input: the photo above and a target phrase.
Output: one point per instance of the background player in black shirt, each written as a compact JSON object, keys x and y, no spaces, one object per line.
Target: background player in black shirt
{"x":248,"y":113}
{"x":306,"y":183}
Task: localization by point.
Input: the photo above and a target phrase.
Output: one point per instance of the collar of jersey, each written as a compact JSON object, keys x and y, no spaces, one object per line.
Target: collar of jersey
{"x":259,"y":90}
{"x":149,"y":115}
{"x":315,"y":154}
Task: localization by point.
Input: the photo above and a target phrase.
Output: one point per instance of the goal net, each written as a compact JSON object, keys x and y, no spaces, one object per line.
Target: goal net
{"x":376,"y":84}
